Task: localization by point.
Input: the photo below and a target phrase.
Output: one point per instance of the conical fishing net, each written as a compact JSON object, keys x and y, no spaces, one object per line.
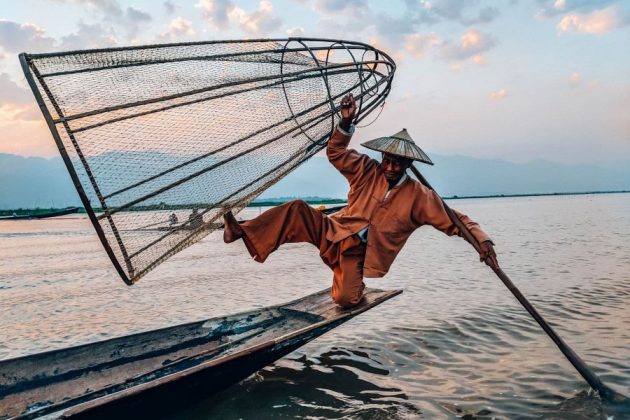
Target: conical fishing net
{"x":162,"y":140}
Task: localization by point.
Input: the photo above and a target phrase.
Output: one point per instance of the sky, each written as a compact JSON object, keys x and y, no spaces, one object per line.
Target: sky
{"x":518,"y":80}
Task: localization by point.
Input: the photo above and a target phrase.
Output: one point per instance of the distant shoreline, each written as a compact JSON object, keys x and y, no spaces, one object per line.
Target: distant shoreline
{"x":320,"y":201}
{"x":455,"y":197}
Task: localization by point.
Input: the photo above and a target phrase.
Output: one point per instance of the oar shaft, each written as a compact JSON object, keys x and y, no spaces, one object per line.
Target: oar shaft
{"x":588,"y":375}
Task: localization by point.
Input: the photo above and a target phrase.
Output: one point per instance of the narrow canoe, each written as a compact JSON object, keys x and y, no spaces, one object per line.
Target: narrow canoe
{"x":62,"y":212}
{"x":150,"y":372}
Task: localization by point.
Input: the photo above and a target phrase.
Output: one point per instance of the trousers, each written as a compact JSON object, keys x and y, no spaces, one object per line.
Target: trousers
{"x":296,"y":221}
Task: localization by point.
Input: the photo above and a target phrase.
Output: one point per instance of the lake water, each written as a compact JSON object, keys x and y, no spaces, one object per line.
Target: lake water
{"x":455,"y":343}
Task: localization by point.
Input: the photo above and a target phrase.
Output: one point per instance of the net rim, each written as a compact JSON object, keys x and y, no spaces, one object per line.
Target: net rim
{"x":207,"y":42}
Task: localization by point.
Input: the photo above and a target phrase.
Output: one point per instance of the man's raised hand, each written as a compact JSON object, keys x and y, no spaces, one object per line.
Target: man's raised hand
{"x":348,"y":109}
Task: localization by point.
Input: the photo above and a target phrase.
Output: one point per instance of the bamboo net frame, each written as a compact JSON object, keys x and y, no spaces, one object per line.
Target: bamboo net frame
{"x":162,"y":140}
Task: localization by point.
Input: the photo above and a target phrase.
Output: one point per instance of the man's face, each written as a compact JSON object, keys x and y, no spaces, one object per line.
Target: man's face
{"x":394,"y":166}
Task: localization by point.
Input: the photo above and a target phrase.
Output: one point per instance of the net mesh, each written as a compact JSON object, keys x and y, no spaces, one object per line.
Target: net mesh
{"x":162,"y":140}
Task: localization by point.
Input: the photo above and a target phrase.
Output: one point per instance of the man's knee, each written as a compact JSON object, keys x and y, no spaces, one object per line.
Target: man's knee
{"x":298,"y":204}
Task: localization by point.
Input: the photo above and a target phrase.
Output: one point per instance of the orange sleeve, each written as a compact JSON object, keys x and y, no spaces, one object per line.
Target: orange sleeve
{"x":429,"y":210}
{"x":352,"y":164}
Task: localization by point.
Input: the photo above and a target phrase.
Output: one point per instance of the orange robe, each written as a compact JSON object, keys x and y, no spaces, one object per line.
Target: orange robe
{"x":390,"y":221}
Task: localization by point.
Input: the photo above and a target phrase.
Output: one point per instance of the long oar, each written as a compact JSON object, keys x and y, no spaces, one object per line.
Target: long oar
{"x":590,"y":377}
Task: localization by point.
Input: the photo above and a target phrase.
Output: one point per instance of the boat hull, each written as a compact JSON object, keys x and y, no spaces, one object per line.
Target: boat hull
{"x":161,"y":370}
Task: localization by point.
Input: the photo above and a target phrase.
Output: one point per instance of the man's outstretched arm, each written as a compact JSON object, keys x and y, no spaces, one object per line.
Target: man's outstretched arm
{"x":429,"y":210}
{"x":349,"y":162}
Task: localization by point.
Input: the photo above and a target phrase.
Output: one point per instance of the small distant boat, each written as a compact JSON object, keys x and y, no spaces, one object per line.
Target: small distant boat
{"x":147,"y":373}
{"x":61,"y":212}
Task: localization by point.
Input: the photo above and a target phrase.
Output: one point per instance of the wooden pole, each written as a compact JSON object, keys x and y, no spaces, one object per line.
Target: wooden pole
{"x":593,"y":380}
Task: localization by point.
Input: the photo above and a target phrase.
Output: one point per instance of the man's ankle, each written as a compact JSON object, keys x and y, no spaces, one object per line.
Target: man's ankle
{"x":231,"y":229}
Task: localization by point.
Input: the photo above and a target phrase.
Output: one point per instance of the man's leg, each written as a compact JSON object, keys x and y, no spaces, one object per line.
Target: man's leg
{"x":348,"y":286}
{"x":291,"y":222}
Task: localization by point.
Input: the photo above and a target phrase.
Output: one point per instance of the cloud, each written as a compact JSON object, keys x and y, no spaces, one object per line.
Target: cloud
{"x":499,"y":95}
{"x":559,"y":7}
{"x":339,"y":6}
{"x":16,"y":37}
{"x":597,"y":23}
{"x":394,"y":29}
{"x":170,"y":7}
{"x":400,"y":36}
{"x":29,"y":113}
{"x":17,"y":104}
{"x":479,"y":59}
{"x":136,"y":15}
{"x":296,"y":32}
{"x":417,"y":45}
{"x":178,"y":28}
{"x":575,"y":79}
{"x":113,"y":11}
{"x":472,"y":43}
{"x":434,"y":11}
{"x":379,"y":44}
{"x":11,"y":92}
{"x":485,"y":15}
{"x":256,"y":23}
{"x":110,"y":8}
{"x":129,"y":19}
{"x":216,"y":12}
{"x":88,"y":36}
{"x":488,"y":14}
{"x":133,"y":19}
{"x":222,"y":14}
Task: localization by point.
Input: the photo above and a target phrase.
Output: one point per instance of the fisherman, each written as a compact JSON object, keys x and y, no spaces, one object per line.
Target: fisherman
{"x":385,"y":206}
{"x":195,"y":219}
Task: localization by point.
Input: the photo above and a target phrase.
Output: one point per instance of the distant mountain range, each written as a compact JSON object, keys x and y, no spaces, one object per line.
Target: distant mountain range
{"x":467,"y":176}
{"x":37,"y":182}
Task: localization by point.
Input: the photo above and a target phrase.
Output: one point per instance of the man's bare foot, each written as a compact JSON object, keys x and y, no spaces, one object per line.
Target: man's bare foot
{"x":232,"y":230}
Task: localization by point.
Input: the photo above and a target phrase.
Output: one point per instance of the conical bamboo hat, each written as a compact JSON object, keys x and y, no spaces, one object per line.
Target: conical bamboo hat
{"x":399,"y":144}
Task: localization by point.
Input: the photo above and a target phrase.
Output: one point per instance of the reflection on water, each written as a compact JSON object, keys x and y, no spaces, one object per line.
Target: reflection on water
{"x":454,"y":344}
{"x":338,"y":382}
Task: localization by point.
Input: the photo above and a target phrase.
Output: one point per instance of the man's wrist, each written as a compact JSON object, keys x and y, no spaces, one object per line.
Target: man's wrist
{"x":345,"y":124}
{"x":349,"y":131}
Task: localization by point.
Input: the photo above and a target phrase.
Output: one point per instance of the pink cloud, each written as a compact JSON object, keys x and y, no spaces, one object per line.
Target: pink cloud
{"x":178,"y":28}
{"x":417,"y":45}
{"x":471,"y":43}
{"x":575,"y":79}
{"x":598,"y":22}
{"x":499,"y":95}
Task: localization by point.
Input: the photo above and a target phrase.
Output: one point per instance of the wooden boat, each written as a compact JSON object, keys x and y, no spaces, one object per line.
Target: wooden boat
{"x":62,"y":212}
{"x":150,"y":372}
